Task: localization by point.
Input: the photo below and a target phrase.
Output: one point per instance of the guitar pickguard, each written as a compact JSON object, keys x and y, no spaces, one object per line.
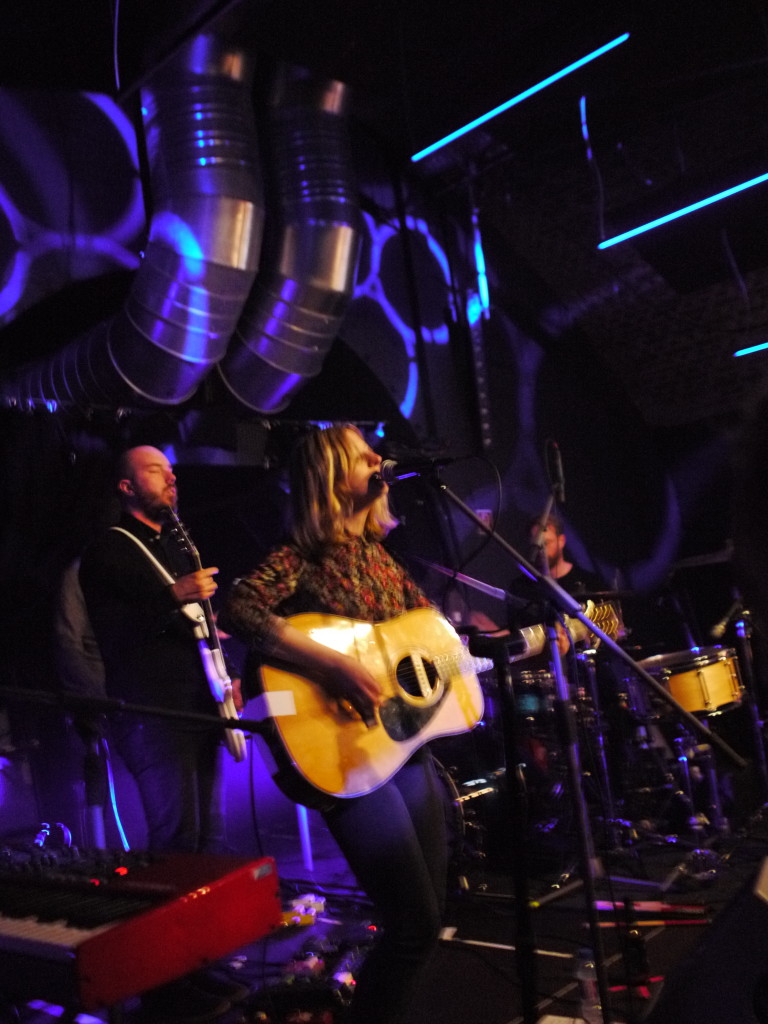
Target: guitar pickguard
{"x":404,"y":717}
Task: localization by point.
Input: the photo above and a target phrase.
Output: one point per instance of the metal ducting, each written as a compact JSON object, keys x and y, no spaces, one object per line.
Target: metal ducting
{"x":311,"y":250}
{"x":203,"y":250}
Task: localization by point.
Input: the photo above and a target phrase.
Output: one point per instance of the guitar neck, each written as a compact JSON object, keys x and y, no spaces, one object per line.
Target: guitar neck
{"x":213,"y":637}
{"x":604,"y":617}
{"x":535,"y":638}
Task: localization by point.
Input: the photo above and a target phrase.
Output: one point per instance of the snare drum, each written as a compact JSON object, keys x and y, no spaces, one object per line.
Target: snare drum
{"x":701,"y":680}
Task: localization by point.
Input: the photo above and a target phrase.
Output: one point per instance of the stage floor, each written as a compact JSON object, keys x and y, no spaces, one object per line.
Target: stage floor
{"x":706,"y":929}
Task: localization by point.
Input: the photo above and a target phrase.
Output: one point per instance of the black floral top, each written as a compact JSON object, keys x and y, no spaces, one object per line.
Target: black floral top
{"x":356,"y":578}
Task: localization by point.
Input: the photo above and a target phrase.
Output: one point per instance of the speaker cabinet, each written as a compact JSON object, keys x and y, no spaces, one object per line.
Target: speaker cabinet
{"x":724,"y":978}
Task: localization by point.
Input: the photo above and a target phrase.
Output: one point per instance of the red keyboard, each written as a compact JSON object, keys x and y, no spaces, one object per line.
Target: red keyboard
{"x":138,"y":922}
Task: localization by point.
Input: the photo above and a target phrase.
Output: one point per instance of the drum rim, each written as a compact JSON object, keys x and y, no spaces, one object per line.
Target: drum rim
{"x":688,"y":660}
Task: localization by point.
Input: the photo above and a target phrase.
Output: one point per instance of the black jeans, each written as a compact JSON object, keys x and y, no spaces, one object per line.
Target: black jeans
{"x":175,"y":771}
{"x":395,"y":842}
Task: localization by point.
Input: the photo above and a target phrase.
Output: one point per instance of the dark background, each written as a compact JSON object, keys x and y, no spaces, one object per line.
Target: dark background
{"x":625,"y":357}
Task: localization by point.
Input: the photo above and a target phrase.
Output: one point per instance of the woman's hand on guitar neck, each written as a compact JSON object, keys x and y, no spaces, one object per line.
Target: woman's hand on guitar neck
{"x":195,"y":586}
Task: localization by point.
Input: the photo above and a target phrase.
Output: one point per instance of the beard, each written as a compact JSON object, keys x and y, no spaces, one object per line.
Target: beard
{"x":153,"y":505}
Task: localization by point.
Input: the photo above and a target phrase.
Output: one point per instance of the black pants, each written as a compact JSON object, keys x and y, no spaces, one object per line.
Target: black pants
{"x":175,"y":771}
{"x":394,"y":840}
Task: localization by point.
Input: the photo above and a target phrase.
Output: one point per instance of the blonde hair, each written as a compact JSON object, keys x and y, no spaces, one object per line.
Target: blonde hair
{"x":320,"y":499}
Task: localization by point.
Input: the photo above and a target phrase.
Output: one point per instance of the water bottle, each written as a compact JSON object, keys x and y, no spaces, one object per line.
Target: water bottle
{"x":585,"y":973}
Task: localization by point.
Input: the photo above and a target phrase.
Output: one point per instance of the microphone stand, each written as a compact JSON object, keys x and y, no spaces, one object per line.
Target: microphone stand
{"x":499,"y":649}
{"x":560,"y":603}
{"x":107,"y":705}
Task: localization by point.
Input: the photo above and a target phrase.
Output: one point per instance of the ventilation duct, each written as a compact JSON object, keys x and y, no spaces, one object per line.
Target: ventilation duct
{"x":311,"y":248}
{"x":203,"y":248}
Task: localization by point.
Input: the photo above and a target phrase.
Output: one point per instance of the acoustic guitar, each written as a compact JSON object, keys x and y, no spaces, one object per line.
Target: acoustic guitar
{"x":430,"y":689}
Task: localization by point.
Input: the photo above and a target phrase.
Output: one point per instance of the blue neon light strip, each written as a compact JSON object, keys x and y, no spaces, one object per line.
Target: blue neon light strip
{"x":519,"y":98}
{"x":682,"y":212}
{"x":482,"y":275}
{"x":751,"y":349}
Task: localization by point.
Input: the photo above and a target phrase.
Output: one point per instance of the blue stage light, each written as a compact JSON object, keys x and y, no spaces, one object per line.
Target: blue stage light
{"x":751,"y":349}
{"x":520,"y":97}
{"x":480,"y":269}
{"x":682,"y":212}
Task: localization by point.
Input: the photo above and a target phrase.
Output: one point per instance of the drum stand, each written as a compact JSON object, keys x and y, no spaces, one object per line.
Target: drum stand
{"x":698,"y":762}
{"x":701,"y":862}
{"x":700,"y":758}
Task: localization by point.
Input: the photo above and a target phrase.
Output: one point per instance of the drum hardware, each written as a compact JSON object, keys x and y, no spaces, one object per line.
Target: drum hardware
{"x":716,"y":684}
{"x":663,"y":794}
{"x":706,"y":683}
{"x":700,"y":866}
{"x":668,"y":787}
{"x":587,"y":661}
{"x":696,"y":764}
{"x":715,"y":558}
{"x":687,"y":803}
{"x":534,"y":700}
{"x":472,"y":806}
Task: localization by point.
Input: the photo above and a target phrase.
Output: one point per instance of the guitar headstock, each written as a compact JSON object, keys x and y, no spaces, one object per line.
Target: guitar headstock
{"x":179,"y":531}
{"x":607,"y":618}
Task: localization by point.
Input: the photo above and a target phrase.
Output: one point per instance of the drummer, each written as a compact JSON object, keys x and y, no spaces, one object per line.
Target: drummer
{"x":528,"y":605}
{"x":548,"y":542}
{"x":548,"y":553}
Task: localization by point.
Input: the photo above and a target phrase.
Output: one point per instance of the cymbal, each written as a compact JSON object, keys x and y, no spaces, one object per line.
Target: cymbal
{"x":604,"y":595}
{"x":716,"y":558}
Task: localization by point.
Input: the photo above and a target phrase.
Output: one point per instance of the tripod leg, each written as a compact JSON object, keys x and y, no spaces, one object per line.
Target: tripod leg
{"x":590,"y":867}
{"x":587,"y":660}
{"x":706,"y":759}
{"x":95,"y":776}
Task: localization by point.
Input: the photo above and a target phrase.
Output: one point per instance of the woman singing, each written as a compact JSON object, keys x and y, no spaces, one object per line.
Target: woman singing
{"x":394,"y":838}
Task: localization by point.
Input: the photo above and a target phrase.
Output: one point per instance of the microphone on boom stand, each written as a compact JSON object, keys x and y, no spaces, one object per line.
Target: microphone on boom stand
{"x":415,"y":464}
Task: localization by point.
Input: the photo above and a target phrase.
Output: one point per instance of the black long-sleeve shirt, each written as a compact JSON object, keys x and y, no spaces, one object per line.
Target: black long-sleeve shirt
{"x":147,"y":642}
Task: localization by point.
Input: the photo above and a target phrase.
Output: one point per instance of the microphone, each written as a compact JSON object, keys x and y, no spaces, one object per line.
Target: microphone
{"x":555,"y":471}
{"x":412,"y":465}
{"x":720,"y":627}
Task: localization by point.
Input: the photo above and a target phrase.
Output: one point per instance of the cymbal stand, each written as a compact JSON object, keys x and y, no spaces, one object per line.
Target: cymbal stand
{"x":587,"y":659}
{"x":743,"y":626}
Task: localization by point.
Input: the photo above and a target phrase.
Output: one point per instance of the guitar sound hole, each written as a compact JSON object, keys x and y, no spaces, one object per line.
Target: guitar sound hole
{"x":408,"y":678}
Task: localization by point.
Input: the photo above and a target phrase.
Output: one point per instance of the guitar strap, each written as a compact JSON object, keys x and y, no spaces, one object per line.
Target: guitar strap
{"x":234,"y":739}
{"x":191,"y":609}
